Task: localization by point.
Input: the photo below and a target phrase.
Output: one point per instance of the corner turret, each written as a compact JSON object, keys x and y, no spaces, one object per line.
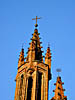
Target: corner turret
{"x":48,"y":57}
{"x":21,"y":58}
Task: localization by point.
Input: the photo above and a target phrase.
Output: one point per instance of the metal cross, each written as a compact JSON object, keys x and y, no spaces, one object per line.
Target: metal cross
{"x":36,"y":19}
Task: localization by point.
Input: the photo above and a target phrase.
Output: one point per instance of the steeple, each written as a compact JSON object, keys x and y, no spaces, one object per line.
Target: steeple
{"x":48,"y":57}
{"x":59,"y":91}
{"x":34,"y":51}
{"x":21,"y":58}
{"x":32,"y":79}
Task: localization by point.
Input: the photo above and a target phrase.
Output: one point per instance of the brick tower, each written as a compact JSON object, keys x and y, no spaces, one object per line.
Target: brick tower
{"x":33,"y":73}
{"x":59,"y":91}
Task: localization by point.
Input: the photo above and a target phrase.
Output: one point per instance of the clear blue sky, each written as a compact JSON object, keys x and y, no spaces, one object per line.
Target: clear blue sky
{"x":57,"y":26}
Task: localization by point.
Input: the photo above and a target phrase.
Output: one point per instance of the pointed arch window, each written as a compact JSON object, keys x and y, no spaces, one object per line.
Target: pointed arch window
{"x":21,"y":84}
{"x":39,"y":86}
{"x":29,"y":90}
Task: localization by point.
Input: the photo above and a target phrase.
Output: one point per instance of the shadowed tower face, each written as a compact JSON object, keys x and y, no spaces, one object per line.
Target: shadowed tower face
{"x":33,"y":73}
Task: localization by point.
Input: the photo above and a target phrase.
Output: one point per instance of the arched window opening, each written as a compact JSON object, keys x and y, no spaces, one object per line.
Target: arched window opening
{"x":29,"y":90}
{"x":21,"y":81}
{"x":39,"y":86}
{"x":21,"y":84}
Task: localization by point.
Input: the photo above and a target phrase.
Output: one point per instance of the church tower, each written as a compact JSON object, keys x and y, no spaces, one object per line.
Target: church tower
{"x":59,"y":91}
{"x":33,"y":73}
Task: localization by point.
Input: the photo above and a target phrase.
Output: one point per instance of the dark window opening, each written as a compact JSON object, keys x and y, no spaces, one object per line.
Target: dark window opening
{"x":39,"y":86}
{"x":21,"y":84}
{"x":21,"y":80}
{"x":59,"y":94}
{"x":59,"y":88}
{"x":29,"y":90}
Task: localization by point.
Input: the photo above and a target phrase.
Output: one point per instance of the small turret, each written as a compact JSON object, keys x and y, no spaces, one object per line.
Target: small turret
{"x":48,"y":57}
{"x":21,"y":58}
{"x":59,"y":91}
{"x":48,"y":61}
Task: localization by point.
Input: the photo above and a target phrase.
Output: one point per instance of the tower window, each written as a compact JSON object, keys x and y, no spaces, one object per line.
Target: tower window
{"x":22,"y":79}
{"x":21,"y":84}
{"x":39,"y":86}
{"x":29,"y":90}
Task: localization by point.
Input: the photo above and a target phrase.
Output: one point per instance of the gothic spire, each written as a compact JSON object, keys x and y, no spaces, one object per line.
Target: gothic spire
{"x":34,"y":51}
{"x":59,"y":91}
{"x":21,"y":58}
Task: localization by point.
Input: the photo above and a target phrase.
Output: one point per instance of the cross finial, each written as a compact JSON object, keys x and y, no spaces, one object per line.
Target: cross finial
{"x":58,"y":70}
{"x":36,"y":20}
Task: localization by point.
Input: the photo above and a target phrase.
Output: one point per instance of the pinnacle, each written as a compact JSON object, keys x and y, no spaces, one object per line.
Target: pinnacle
{"x":48,"y":53}
{"x":59,"y":91}
{"x":21,"y":58}
{"x":48,"y":59}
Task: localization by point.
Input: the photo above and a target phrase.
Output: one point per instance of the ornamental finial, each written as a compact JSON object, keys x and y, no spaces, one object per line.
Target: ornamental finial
{"x":36,"y":25}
